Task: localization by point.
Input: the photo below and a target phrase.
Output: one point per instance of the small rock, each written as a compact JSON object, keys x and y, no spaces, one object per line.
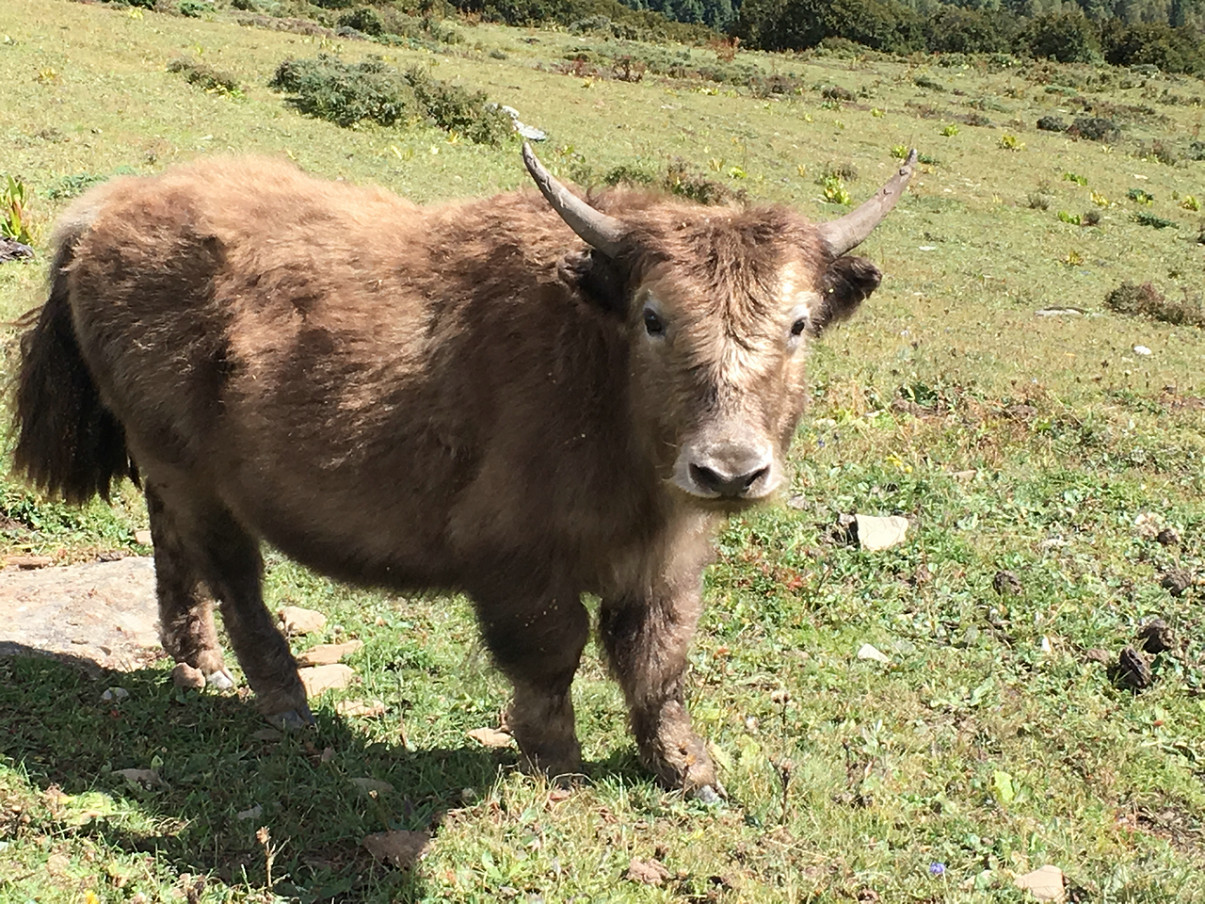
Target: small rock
{"x":12,"y":250}
{"x":1045,"y":884}
{"x":1141,"y":350}
{"x":328,"y":653}
{"x":1098,"y":655}
{"x":1131,"y":672}
{"x":254,"y":813}
{"x":142,"y":537}
{"x":875,"y":533}
{"x":1148,"y":525}
{"x":25,"y":563}
{"x":185,"y":676}
{"x":141,"y":778}
{"x":1156,"y":636}
{"x":647,"y":872}
{"x":1175,"y":581}
{"x":490,"y":737}
{"x":321,"y":678}
{"x":372,"y":785}
{"x":1060,"y":312}
{"x":401,"y":848}
{"x":1168,"y":537}
{"x":360,"y":708}
{"x":1006,"y":583}
{"x":866,"y":651}
{"x":296,"y":620}
{"x":115,"y":695}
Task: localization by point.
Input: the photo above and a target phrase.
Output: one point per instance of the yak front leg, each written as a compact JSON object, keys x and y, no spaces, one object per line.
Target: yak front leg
{"x":646,"y":639}
{"x":537,"y":642}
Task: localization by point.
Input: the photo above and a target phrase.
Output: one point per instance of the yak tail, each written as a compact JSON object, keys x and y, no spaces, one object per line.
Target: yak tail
{"x":68,"y":442}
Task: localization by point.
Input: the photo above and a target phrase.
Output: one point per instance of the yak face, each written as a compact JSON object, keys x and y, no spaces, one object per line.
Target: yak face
{"x":718,"y":315}
{"x":718,"y":304}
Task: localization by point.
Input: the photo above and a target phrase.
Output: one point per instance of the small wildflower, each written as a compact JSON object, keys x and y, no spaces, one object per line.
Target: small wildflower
{"x":937,"y":869}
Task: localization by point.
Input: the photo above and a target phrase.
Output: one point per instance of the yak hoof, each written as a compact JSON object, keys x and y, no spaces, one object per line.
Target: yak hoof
{"x":292,"y":719}
{"x":221,"y":679}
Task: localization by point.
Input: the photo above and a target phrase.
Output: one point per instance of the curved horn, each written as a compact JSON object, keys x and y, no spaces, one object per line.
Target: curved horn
{"x":851,"y":230}
{"x":595,"y":228}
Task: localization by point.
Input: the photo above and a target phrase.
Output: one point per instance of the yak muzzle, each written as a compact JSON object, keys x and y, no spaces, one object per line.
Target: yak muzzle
{"x":729,"y":471}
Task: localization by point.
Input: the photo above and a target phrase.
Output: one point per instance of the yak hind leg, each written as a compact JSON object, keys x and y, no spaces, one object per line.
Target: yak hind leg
{"x":186,"y":627}
{"x":227,"y":558}
{"x":646,"y":642}
{"x":537,"y":641}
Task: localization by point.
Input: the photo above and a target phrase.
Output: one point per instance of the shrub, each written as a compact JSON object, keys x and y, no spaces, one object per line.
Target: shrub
{"x":1095,"y":128}
{"x":1158,"y":150}
{"x":1011,"y":142}
{"x":1039,"y":201}
{"x":1149,"y":219}
{"x":205,"y":76}
{"x":194,"y":8}
{"x":1154,"y":44}
{"x":1066,"y":37}
{"x":1052,"y":124}
{"x":923,"y":81}
{"x":347,"y":94}
{"x":679,"y":179}
{"x":1139,"y":195}
{"x":365,"y":20}
{"x":14,"y":203}
{"x":1147,"y":301}
{"x":957,"y":29}
{"x":1090,"y":218}
{"x":332,"y":4}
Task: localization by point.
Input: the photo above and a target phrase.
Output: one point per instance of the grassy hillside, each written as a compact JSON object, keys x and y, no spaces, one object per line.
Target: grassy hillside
{"x":991,"y":743}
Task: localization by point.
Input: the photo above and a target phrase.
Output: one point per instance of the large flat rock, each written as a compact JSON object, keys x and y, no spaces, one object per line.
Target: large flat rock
{"x":100,"y":612}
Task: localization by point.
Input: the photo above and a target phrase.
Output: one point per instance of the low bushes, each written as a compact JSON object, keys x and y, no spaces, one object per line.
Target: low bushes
{"x":347,"y":94}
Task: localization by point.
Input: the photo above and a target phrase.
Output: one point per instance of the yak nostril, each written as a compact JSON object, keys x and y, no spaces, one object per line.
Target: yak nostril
{"x":730,"y":485}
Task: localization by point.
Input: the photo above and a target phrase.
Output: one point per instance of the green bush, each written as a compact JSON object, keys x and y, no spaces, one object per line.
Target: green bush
{"x":1066,"y":37}
{"x":205,"y":76}
{"x":1178,"y":50}
{"x":957,"y":29}
{"x":347,"y":94}
{"x":1095,"y":128}
{"x":365,"y":19}
{"x":885,"y":25}
{"x":1052,"y":124}
{"x":1147,"y":301}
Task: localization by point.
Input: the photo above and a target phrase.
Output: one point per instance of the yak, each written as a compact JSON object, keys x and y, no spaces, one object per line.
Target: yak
{"x":524,"y":398}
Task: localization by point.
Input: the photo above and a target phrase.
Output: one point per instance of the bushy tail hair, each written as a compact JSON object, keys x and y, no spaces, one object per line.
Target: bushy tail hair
{"x":68,"y":443}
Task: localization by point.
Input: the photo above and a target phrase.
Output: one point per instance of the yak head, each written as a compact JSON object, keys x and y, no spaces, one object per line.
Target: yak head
{"x":718,"y":304}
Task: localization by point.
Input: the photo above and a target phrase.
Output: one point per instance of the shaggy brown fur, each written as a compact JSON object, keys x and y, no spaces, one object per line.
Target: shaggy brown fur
{"x":461,"y":396}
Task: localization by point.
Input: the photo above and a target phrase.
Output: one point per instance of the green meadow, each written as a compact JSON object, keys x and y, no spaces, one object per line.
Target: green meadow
{"x":1066,"y":449}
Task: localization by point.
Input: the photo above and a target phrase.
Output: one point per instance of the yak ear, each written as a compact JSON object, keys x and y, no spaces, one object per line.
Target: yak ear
{"x":847,"y":282}
{"x":599,"y":280}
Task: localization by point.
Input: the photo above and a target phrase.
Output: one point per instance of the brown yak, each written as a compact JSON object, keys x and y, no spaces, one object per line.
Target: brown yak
{"x":460,"y":396}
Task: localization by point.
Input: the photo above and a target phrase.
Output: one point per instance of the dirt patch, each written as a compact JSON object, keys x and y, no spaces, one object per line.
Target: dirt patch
{"x":100,"y":613}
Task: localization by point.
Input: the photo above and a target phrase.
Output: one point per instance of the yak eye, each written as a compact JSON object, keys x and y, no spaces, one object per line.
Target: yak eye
{"x":652,"y":323}
{"x":798,"y":327}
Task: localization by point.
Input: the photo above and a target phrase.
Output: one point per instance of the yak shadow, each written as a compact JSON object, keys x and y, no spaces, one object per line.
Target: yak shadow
{"x":218,"y":774}
{"x":212,"y":773}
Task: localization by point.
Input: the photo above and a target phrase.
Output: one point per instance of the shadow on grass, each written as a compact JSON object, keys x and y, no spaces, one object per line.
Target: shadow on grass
{"x":224,"y":775}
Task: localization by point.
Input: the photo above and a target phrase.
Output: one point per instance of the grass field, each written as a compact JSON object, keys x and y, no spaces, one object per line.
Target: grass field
{"x":990,"y":743}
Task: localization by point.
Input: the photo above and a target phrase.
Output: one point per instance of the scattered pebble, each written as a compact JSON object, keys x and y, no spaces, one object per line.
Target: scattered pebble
{"x":490,"y":737}
{"x":866,"y":651}
{"x":321,"y":678}
{"x":1045,"y":884}
{"x":254,"y":813}
{"x":185,"y":676}
{"x":296,"y":620}
{"x":328,"y":653}
{"x":647,"y":872}
{"x":141,"y":778}
{"x":115,"y":695}
{"x":875,"y":533}
{"x":1141,"y":350}
{"x":360,"y":708}
{"x":142,"y":537}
